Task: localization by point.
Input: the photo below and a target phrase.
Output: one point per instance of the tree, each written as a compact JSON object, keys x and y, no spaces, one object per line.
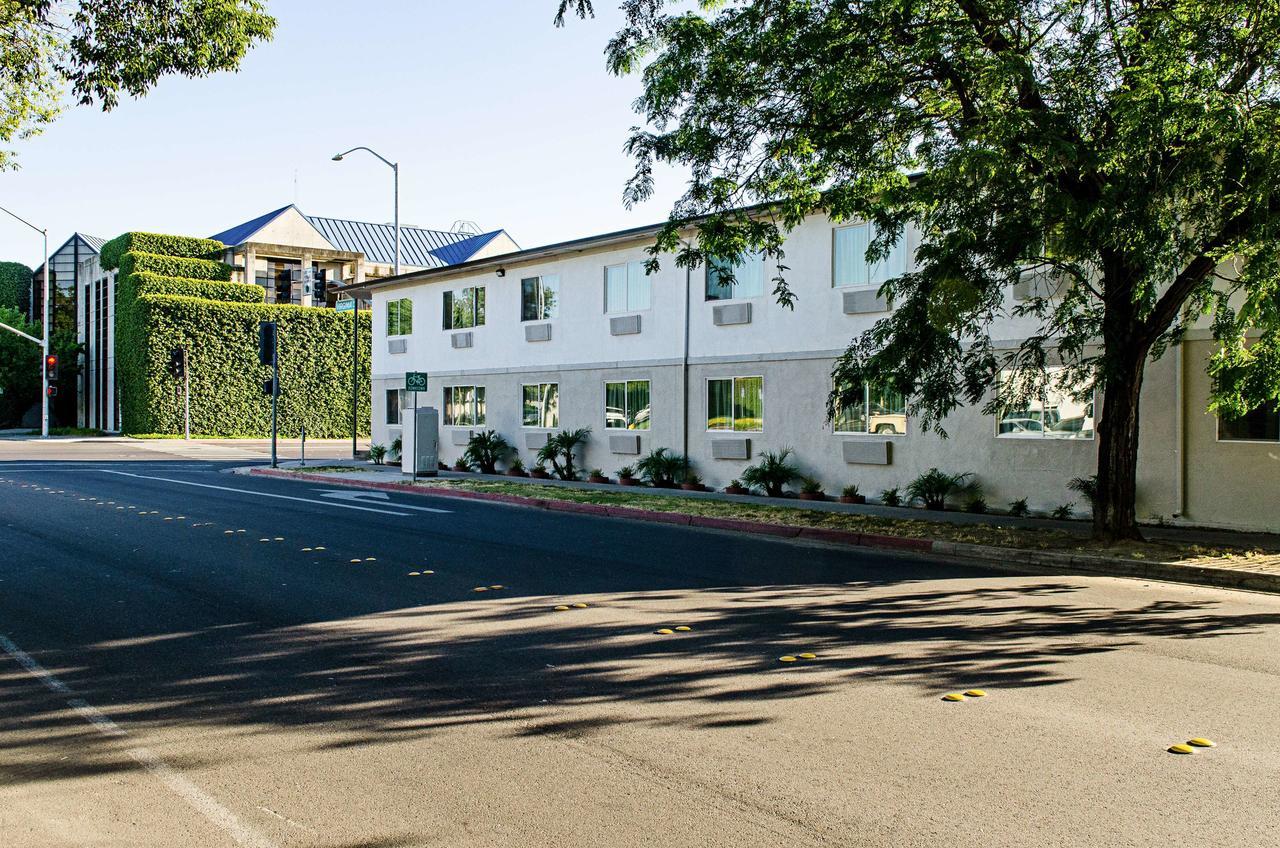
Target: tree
{"x":19,"y":367}
{"x":15,"y":286}
{"x":104,"y":48}
{"x":1126,"y":150}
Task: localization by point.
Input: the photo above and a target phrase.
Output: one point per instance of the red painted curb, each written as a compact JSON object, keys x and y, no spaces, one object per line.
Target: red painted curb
{"x":843,"y":537}
{"x":574,"y":506}
{"x":649,"y":515}
{"x":897,"y":542}
{"x":746,"y":526}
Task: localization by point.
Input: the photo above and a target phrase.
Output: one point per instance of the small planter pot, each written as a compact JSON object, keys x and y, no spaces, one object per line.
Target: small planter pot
{"x":443,"y":467}
{"x":517,"y":472}
{"x":693,"y":487}
{"x":597,"y":479}
{"x":540,"y":475}
{"x":813,"y":496}
{"x":664,"y":485}
{"x":736,"y":490}
{"x":853,"y":499}
{"x":460,"y":468}
{"x":628,"y":481}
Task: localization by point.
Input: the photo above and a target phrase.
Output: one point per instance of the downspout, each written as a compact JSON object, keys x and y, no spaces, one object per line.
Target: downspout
{"x":684,"y":372}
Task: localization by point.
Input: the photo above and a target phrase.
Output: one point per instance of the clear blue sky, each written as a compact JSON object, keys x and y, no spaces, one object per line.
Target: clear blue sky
{"x":495,"y":115}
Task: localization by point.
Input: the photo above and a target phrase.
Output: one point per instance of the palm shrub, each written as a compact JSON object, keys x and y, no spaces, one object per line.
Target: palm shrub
{"x":397,"y":445}
{"x":891,"y":497}
{"x":485,"y":450}
{"x":772,"y":472}
{"x":663,"y":468}
{"x":1086,"y":487}
{"x":377,"y":453}
{"x":1018,"y":508}
{"x":558,"y":451}
{"x":933,"y":487}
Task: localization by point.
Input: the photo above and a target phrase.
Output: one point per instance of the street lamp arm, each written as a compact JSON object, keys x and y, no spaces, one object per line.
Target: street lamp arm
{"x":24,"y":335}
{"x":385,"y":160}
{"x":45,"y":232}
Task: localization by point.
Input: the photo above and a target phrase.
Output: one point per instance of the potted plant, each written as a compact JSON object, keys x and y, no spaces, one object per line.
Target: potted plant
{"x":772,"y":472}
{"x":890,"y":497}
{"x":539,"y":471}
{"x":626,"y":476}
{"x":377,"y":453}
{"x":693,"y":483}
{"x":811,"y":490}
{"x":663,"y":469}
{"x":517,"y":468}
{"x":597,"y":476}
{"x":461,"y":465}
{"x":735,"y":487}
{"x":933,"y":487}
{"x":558,"y":451}
{"x":850,"y":495}
{"x":485,"y":450}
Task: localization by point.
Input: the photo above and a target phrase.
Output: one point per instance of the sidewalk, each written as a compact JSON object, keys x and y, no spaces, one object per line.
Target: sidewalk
{"x":1180,"y":554}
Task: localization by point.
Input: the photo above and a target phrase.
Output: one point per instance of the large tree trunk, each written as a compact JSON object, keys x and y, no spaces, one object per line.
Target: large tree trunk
{"x":1114,"y":509}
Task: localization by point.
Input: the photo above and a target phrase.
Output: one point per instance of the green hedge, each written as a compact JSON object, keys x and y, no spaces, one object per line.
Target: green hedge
{"x":112,"y":253}
{"x":145,"y":282}
{"x":174,"y":266}
{"x":226,"y":377}
{"x":15,"y":286}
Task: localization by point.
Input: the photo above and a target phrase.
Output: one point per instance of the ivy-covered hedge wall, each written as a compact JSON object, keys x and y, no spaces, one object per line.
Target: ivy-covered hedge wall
{"x":113,"y":251}
{"x":165,"y":302}
{"x":174,"y":266}
{"x":15,"y":286}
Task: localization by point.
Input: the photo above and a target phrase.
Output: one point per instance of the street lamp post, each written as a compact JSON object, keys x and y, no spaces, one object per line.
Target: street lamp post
{"x":355,"y":313}
{"x":44,"y":323}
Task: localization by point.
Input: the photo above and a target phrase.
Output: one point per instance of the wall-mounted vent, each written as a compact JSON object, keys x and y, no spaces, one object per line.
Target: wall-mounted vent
{"x":534,"y":441}
{"x":397,"y":345}
{"x":863,"y":302}
{"x":461,"y":340}
{"x":537,"y":332}
{"x":461,"y":437}
{"x":627,"y":444}
{"x":625,"y":325}
{"x":731,"y":313}
{"x":867,"y":451}
{"x":730,"y":448}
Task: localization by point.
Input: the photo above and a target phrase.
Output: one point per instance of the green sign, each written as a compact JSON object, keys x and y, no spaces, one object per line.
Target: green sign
{"x":415,"y":381}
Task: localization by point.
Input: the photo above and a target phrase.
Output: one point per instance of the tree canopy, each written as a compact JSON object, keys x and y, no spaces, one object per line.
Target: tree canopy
{"x":102,"y":49}
{"x":1126,"y":150}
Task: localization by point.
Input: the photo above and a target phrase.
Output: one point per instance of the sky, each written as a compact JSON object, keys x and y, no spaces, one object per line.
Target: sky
{"x":494,"y":114}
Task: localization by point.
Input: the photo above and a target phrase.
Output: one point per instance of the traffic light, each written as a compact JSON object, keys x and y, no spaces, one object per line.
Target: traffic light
{"x":51,"y":367}
{"x":177,"y":363}
{"x":52,"y":391}
{"x":267,"y":342}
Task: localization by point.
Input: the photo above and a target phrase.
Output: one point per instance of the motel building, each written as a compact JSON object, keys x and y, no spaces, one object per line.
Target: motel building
{"x":577,"y":335}
{"x":298,"y":259}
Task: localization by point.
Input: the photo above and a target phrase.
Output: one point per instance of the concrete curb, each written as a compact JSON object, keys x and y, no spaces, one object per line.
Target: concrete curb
{"x":1200,"y":575}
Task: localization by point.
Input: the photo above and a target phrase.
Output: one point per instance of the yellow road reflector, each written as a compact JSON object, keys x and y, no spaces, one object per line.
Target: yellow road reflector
{"x":787,"y":658}
{"x":415,"y":573}
{"x":497,"y":586}
{"x":319,"y":547}
{"x":306,"y":550}
{"x":357,"y":560}
{"x":180,"y":517}
{"x":228,"y":532}
{"x":168,"y":518}
{"x":480,"y":589}
{"x":370,"y":559}
{"x":579,"y":606}
{"x":684,"y":628}
{"x":1181,"y":749}
{"x":561,"y":608}
{"x":665,"y":631}
{"x":264,"y":540}
{"x":1201,"y":742}
{"x":807,"y":656}
{"x":975,"y":693}
{"x":279,"y":538}
{"x":239,"y":531}
{"x":954,"y":696}
{"x":424,"y":571}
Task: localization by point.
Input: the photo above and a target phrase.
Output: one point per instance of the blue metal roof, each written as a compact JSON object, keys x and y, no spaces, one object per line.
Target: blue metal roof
{"x":418,"y":247}
{"x":241,"y":232}
{"x":461,"y":251}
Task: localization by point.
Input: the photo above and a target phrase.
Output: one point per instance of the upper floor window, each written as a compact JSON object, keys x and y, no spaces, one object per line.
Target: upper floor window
{"x":882,"y":412}
{"x":626,"y":405}
{"x":1055,"y":414}
{"x":1258,"y":425}
{"x":748,"y":277}
{"x":851,"y":265}
{"x":464,"y":308}
{"x":464,"y":406}
{"x":736,"y":403}
{"x":626,"y":288}
{"x":539,"y":297}
{"x":541,"y":405}
{"x":399,"y":317}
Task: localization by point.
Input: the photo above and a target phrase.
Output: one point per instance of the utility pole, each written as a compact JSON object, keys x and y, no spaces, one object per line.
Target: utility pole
{"x":44,"y":323}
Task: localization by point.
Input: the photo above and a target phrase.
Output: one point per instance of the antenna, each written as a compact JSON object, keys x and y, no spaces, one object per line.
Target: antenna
{"x":464,"y":226}
{"x":295,"y":186}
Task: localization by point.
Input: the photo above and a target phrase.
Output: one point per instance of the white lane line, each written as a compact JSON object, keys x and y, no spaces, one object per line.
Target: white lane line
{"x":311,"y":501}
{"x":201,"y":801}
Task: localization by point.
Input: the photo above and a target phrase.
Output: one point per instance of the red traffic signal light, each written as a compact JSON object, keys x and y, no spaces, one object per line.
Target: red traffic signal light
{"x":51,"y":367}
{"x":52,"y":391}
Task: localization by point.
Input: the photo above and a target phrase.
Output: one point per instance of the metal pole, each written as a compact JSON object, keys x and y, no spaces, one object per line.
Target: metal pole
{"x":186,"y":376}
{"x":304,"y":444}
{"x":355,"y":374}
{"x":44,"y":345}
{"x":415,"y":437}
{"x":275,"y":387}
{"x":396,"y":170}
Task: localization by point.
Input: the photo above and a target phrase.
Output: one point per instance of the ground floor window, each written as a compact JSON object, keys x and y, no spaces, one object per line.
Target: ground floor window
{"x":1055,"y":413}
{"x":464,"y":406}
{"x":881,"y":411}
{"x":541,"y":405}
{"x":736,"y":403}
{"x":1258,"y":425}
{"x":626,"y":405}
{"x":395,"y":403}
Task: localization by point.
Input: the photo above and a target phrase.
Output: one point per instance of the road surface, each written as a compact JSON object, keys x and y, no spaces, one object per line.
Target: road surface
{"x":192,"y":658}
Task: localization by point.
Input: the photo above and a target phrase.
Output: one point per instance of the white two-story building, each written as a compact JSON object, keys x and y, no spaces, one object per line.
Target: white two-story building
{"x":577,"y":335}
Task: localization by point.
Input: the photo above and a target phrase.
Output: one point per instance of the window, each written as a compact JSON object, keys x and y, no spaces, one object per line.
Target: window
{"x":626,"y":288}
{"x":626,"y":405}
{"x":464,"y":308}
{"x":464,"y":406}
{"x":882,"y":412}
{"x":541,"y":405}
{"x":399,"y":317}
{"x":736,"y":403}
{"x":851,"y":266}
{"x":748,"y":278}
{"x":395,"y":403}
{"x":1258,"y":425}
{"x":539,"y":298}
{"x":1056,"y":414}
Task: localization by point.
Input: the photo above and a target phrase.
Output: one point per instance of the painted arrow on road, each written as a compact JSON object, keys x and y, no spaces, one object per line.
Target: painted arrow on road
{"x":377,"y":497}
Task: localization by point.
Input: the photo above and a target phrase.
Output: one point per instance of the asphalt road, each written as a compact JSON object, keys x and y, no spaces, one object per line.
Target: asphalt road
{"x":176,"y":669}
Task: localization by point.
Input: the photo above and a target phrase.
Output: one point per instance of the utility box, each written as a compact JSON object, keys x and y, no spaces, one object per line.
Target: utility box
{"x":426,"y":443}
